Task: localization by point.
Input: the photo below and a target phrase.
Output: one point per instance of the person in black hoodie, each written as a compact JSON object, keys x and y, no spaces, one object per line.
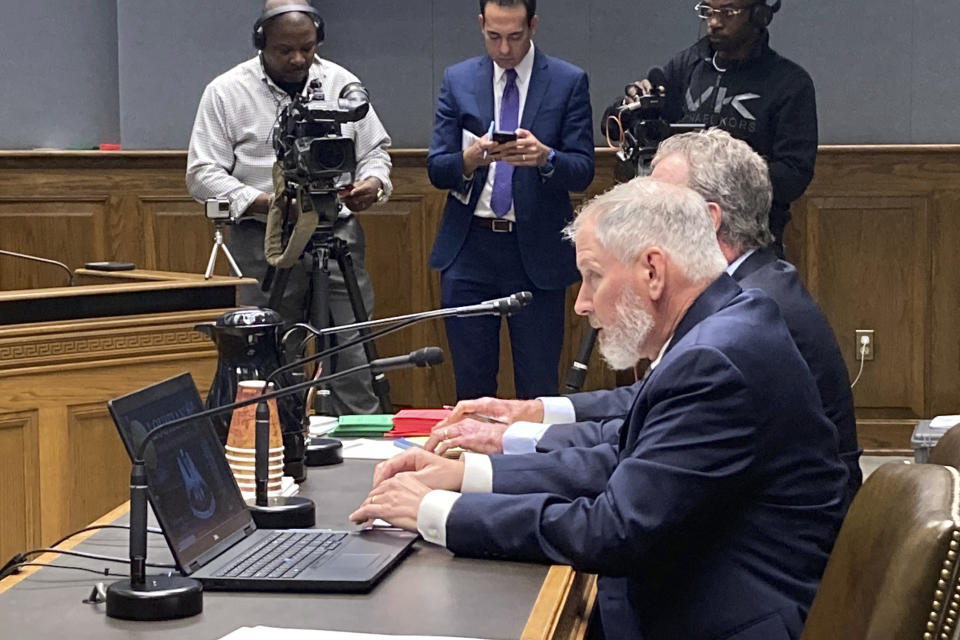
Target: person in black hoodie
{"x":733,"y":80}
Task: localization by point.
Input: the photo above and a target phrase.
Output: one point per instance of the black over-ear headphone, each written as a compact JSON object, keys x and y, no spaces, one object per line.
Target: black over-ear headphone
{"x":260,"y":38}
{"x":761,"y":13}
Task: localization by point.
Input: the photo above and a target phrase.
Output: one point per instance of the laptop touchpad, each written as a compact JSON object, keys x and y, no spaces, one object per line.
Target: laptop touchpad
{"x":354,"y":560}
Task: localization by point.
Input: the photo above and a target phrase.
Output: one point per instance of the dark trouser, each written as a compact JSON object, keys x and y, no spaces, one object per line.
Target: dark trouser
{"x":779,"y":217}
{"x":489,"y":266}
{"x":351,"y":394}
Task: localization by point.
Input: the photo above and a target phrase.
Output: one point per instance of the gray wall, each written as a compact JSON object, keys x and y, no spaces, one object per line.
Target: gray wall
{"x":58,"y":73}
{"x":87,"y":71}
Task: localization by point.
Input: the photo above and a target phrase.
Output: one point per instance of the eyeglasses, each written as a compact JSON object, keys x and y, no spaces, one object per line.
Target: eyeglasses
{"x":706,"y":12}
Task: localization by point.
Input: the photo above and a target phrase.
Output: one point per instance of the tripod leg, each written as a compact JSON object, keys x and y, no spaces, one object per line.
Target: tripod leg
{"x":212,"y":261}
{"x":319,"y":317}
{"x":381,"y":386}
{"x":277,"y":289}
{"x":233,"y":263}
{"x":217,"y":244}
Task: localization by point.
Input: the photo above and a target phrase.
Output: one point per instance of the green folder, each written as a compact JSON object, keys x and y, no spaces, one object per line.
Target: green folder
{"x":373,"y":425}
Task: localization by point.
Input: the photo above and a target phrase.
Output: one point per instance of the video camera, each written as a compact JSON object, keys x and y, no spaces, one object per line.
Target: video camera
{"x":316,"y":159}
{"x":635,"y":125}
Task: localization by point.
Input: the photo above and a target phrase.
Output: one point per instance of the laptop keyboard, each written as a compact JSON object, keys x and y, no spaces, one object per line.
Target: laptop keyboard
{"x":284,"y":554}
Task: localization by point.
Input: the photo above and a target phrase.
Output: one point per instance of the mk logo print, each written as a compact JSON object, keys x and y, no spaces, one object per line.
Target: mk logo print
{"x":721,"y":101}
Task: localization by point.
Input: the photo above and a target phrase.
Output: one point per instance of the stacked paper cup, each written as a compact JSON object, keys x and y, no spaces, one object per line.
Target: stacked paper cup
{"x":241,"y":441}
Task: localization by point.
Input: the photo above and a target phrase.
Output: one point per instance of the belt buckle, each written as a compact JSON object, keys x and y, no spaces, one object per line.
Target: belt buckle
{"x":501,"y":226}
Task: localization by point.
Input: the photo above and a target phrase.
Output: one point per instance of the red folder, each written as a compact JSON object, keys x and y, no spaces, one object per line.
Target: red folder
{"x":415,"y":422}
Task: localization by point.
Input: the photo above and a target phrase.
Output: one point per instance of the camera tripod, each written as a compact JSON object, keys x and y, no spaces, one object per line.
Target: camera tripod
{"x":323,"y":246}
{"x":219,"y":245}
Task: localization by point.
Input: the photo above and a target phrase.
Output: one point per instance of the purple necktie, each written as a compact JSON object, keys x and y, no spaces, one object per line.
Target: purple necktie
{"x":503,"y":174}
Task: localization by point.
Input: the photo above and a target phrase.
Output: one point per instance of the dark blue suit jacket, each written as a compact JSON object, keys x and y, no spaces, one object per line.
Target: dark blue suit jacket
{"x":713,"y":516}
{"x":604,"y":410}
{"x":557,"y":111}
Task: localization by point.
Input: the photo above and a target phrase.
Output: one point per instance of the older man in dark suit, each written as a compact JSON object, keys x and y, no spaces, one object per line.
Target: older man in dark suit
{"x":713,"y":514}
{"x":735,"y":182}
{"x":512,"y":137}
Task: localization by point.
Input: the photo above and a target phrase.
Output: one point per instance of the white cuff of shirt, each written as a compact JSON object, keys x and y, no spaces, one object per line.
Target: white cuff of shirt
{"x":558,"y":410}
{"x":432,"y":515}
{"x":522,"y":437}
{"x":464,"y":197}
{"x":477,"y":473}
{"x":241,"y":200}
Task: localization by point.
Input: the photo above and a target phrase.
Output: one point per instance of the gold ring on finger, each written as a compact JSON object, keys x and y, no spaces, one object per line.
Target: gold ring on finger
{"x":523,"y":157}
{"x":373,"y":499}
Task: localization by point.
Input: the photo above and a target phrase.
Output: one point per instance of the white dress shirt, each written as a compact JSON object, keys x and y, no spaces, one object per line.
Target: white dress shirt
{"x":477,"y":478}
{"x":524,"y":70}
{"x":522,"y":437}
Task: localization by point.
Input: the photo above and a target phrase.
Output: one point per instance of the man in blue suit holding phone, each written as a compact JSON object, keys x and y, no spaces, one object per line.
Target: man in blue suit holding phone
{"x":512,"y":138}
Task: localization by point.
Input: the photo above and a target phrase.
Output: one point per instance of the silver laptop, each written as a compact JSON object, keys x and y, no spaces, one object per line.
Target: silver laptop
{"x":205,"y":520}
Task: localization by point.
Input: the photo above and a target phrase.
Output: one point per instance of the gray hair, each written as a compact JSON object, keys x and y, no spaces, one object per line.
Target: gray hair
{"x":644,"y":213}
{"x":728,"y":172}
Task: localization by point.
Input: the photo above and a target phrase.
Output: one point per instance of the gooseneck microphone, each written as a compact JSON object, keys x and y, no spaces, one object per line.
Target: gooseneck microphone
{"x":578,"y":371}
{"x":498,"y":306}
{"x":167,"y":597}
{"x":56,"y":263}
{"x":426,"y":357}
{"x":142,"y":597}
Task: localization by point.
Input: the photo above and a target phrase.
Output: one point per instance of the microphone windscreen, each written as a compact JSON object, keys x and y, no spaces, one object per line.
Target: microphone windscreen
{"x":523,"y":297}
{"x":657,"y":77}
{"x":427,"y":356}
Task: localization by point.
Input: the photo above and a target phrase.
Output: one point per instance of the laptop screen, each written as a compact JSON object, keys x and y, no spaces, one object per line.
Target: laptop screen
{"x":191,"y":488}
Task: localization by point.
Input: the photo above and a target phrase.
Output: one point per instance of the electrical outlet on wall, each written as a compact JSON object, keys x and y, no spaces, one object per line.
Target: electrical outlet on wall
{"x":865,"y":344}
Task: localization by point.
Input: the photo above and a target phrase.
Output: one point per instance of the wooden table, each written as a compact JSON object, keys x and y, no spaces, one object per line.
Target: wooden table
{"x":430,"y":592}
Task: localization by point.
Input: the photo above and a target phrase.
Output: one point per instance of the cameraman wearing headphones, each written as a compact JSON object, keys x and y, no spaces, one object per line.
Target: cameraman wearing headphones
{"x":231,"y":156}
{"x":733,"y":80}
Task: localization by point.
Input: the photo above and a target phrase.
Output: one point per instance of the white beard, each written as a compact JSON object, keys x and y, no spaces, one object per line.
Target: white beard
{"x":621,"y":342}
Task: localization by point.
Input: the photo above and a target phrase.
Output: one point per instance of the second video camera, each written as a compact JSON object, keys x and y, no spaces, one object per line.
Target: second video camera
{"x":637,"y":123}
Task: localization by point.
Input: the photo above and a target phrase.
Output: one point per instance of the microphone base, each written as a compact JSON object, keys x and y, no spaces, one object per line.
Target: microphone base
{"x":283,"y":512}
{"x":160,"y":598}
{"x":322,"y":452}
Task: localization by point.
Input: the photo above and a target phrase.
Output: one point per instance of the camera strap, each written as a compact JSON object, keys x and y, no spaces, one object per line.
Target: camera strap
{"x":273,"y":250}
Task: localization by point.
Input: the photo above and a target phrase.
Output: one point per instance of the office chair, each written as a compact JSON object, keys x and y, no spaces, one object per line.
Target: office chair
{"x":947,"y":449}
{"x":893,"y":571}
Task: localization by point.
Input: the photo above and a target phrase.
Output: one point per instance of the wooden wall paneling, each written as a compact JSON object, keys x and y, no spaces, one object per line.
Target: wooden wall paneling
{"x":178,"y":235}
{"x":943,"y":346}
{"x":61,"y":375}
{"x":439,"y":381}
{"x":63,"y":228}
{"x":414,"y":387}
{"x":54,"y":457}
{"x":99,"y":469}
{"x":876,"y":220}
{"x":114,"y":179}
{"x":124,"y":238}
{"x":19,"y":483}
{"x":75,"y":466}
{"x":393,"y":260}
{"x":885,"y":277}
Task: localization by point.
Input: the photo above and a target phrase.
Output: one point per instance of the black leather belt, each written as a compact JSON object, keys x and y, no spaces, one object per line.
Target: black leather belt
{"x":493,"y":224}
